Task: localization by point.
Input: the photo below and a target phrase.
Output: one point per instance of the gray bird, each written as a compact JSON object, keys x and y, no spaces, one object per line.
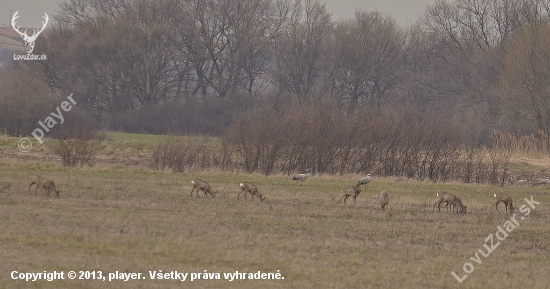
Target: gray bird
{"x":301,"y":177}
{"x":364,"y":180}
{"x":545,"y":181}
{"x":521,"y":182}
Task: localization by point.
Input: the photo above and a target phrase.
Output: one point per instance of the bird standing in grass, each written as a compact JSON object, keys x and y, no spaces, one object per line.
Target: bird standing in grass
{"x":364,"y":180}
{"x":301,"y":177}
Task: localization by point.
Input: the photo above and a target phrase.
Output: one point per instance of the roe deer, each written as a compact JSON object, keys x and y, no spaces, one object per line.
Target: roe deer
{"x":504,"y":198}
{"x":249,"y":188}
{"x":450,"y":199}
{"x":203,"y":186}
{"x":42,"y":183}
{"x":350,"y":192}
{"x":451,"y":205}
{"x":384,"y":199}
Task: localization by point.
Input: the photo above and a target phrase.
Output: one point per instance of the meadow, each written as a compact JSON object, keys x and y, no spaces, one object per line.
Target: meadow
{"x":133,"y":219}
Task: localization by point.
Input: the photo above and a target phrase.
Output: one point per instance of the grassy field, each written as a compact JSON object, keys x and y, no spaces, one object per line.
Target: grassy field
{"x":134,"y":220}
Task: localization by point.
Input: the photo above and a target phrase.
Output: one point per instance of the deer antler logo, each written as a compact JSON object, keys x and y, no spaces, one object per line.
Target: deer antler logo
{"x":29,"y":40}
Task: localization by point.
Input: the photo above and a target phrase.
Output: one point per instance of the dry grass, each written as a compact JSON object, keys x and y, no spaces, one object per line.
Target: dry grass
{"x":116,"y":219}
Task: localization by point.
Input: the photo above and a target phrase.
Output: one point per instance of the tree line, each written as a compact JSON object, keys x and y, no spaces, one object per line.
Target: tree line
{"x":202,"y":66}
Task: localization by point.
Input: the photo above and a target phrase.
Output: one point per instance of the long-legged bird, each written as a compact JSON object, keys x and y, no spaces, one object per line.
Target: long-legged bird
{"x":364,"y":180}
{"x":301,"y":177}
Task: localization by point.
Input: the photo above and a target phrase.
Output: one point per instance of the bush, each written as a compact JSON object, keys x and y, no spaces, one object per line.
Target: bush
{"x":179,"y":154}
{"x":78,"y":140}
{"x":327,"y":138}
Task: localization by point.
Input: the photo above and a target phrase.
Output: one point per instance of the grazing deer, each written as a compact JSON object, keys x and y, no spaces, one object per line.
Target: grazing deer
{"x":384,"y":199}
{"x":203,"y":186}
{"x":451,"y":205}
{"x":504,"y":198}
{"x":42,"y":183}
{"x":450,"y":199}
{"x":249,"y":188}
{"x":350,"y":192}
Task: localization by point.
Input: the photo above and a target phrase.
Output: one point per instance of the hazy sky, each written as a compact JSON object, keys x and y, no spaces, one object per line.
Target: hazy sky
{"x":405,"y":12}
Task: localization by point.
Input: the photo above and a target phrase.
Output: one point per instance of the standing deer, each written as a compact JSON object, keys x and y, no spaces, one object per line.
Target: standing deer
{"x":29,"y":40}
{"x":42,"y":183}
{"x":450,"y":199}
{"x":350,"y":192}
{"x":506,"y":200}
{"x":203,"y":186}
{"x":384,"y":199}
{"x":247,"y":188}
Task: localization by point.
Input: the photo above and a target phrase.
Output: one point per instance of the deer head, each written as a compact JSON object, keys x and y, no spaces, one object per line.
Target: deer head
{"x":29,"y":40}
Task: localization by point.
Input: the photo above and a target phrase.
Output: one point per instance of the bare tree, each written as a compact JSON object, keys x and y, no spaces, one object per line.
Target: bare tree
{"x":525,"y":87}
{"x":113,"y":54}
{"x":299,"y":52}
{"x":368,"y":58}
{"x":228,"y":41}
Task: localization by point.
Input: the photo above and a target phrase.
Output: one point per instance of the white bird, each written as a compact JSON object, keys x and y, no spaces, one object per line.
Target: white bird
{"x":301,"y":177}
{"x":364,"y":180}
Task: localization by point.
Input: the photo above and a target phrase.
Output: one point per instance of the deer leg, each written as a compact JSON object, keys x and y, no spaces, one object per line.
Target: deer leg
{"x":30,"y":187}
{"x":441,"y":203}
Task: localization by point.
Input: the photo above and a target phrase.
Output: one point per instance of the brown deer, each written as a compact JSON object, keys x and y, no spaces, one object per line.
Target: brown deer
{"x":504,"y":198}
{"x":452,"y":206}
{"x":42,"y":183}
{"x":203,"y":186}
{"x":247,"y":188}
{"x":384,"y":199}
{"x":451,"y":200}
{"x":350,"y":192}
